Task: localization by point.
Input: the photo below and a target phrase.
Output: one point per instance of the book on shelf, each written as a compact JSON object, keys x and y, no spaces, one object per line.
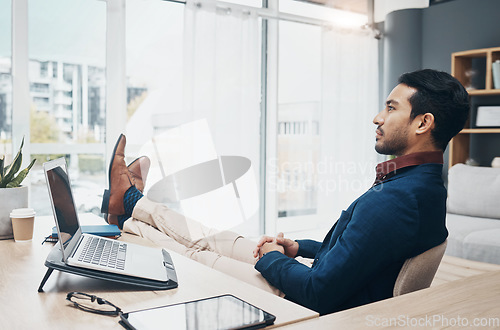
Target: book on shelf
{"x":496,"y":74}
{"x":488,"y":116}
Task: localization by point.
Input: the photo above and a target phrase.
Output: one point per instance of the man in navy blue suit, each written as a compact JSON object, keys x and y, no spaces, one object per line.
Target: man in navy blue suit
{"x":399,"y":217}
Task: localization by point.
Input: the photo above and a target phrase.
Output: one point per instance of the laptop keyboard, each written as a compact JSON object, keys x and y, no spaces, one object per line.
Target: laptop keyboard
{"x":104,"y":252}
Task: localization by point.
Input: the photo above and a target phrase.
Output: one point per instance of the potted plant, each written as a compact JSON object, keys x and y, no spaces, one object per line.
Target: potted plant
{"x":12,"y":194}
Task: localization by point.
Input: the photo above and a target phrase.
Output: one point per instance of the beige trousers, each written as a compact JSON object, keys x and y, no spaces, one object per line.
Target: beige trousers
{"x":224,"y":251}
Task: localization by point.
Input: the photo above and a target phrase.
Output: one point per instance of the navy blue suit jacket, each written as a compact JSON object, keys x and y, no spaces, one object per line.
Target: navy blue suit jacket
{"x":360,"y":258}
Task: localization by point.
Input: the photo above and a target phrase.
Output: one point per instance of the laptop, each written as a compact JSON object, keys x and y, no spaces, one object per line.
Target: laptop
{"x":91,"y":251}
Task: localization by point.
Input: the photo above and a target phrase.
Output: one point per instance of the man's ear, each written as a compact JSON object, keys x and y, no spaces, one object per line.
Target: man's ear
{"x":425,"y":123}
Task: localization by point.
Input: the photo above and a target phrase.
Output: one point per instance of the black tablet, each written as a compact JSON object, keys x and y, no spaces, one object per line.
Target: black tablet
{"x":221,"y":312}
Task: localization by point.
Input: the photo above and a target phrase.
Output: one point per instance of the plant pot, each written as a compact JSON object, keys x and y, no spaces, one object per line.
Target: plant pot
{"x":11,"y":198}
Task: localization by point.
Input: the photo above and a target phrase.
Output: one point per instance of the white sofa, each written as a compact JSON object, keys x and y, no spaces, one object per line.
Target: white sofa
{"x":473,"y":218}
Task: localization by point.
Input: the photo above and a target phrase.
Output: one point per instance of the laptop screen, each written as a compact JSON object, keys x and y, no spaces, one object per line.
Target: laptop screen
{"x":63,"y":205}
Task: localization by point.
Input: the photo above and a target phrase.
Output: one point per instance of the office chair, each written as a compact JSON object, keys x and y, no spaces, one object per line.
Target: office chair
{"x":418,"y":272}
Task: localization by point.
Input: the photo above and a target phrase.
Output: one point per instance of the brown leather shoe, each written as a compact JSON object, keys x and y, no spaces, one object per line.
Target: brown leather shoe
{"x":119,"y":181}
{"x":138,"y":172}
{"x":121,"y":178}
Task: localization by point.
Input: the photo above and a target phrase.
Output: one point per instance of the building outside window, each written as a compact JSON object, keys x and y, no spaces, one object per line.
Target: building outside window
{"x":67,"y":66}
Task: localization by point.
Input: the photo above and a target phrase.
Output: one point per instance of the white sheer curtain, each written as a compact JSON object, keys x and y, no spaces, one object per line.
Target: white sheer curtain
{"x":222,"y":83}
{"x":349,"y":103}
{"x":222,"y":75}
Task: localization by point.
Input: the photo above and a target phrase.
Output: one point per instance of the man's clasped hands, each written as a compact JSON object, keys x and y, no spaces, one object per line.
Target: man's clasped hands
{"x":279,"y":243}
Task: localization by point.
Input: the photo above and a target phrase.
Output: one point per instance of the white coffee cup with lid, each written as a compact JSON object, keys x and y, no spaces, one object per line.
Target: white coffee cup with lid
{"x":22,"y":224}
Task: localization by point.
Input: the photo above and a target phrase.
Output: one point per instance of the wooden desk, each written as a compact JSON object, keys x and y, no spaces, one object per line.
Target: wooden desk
{"x":22,"y":307}
{"x":464,"y":300}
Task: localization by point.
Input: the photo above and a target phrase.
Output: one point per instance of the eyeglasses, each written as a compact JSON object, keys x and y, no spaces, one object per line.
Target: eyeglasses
{"x":87,"y":302}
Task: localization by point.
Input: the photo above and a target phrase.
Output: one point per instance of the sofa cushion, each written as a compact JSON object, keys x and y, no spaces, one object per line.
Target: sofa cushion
{"x":461,"y":226}
{"x":483,"y":246}
{"x":474,"y":191}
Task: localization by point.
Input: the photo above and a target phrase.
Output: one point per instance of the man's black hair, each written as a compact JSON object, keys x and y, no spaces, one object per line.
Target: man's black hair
{"x":442,"y":95}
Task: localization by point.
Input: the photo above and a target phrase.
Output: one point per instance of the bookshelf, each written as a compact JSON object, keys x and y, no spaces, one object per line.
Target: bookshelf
{"x":462,"y":65}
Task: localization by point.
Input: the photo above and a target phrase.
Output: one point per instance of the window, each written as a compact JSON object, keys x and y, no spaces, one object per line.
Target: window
{"x":196,"y":65}
{"x":5,"y":78}
{"x":170,"y":64}
{"x":314,"y":61}
{"x":154,"y":58}
{"x":67,"y":88}
{"x":299,"y":103}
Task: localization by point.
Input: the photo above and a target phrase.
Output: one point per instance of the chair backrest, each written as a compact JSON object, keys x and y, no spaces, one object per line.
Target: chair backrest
{"x":418,"y":272}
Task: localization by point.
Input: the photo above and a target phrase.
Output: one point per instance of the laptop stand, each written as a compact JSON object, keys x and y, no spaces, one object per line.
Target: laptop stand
{"x":55,"y":261}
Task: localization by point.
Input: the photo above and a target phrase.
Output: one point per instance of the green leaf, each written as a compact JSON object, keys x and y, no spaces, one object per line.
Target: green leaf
{"x":14,"y":167}
{"x":5,"y":169}
{"x":16,"y":182}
